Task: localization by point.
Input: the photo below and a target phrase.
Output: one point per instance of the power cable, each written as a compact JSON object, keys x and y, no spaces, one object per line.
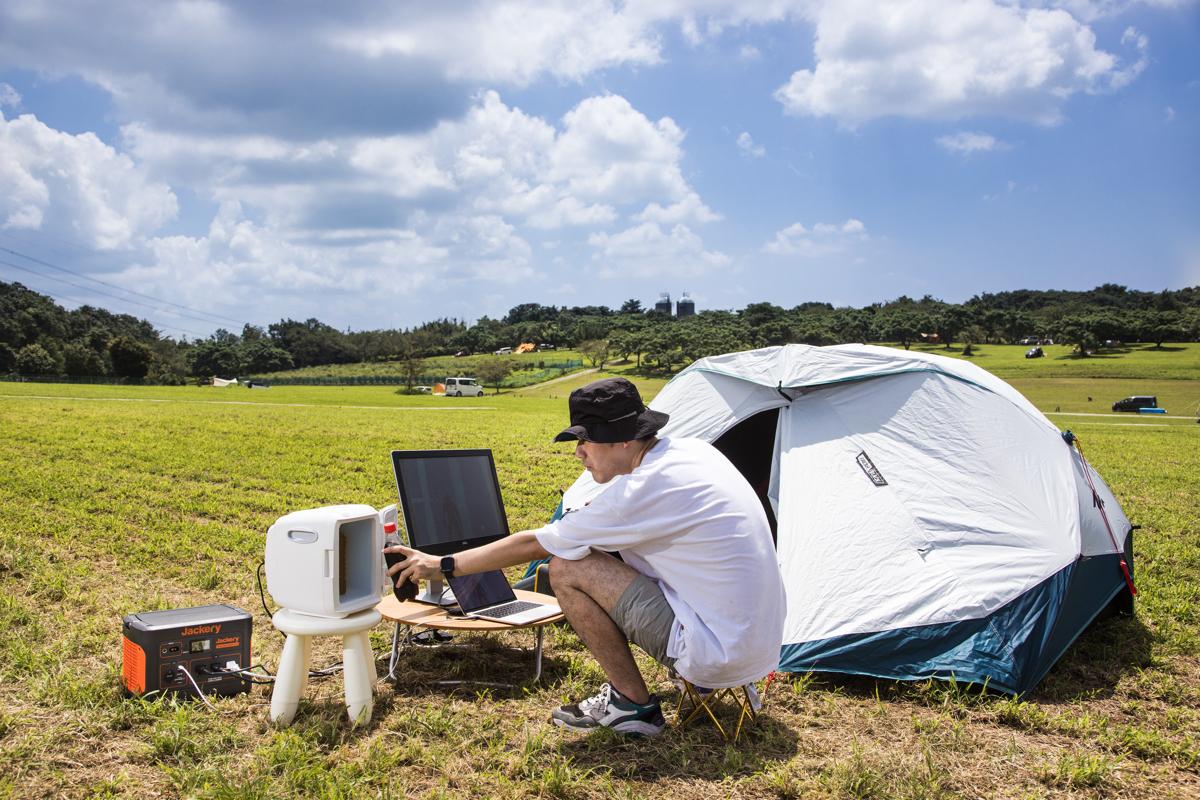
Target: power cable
{"x":106,"y":294}
{"x":65,"y":298}
{"x":121,"y":288}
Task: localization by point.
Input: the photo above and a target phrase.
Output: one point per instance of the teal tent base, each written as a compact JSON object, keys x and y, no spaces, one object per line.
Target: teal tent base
{"x":1009,"y":651}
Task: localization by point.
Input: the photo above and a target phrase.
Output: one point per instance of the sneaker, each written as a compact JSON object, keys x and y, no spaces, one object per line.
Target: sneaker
{"x":610,"y":709}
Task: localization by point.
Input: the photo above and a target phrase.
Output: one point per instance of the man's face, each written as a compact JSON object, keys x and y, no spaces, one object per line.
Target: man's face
{"x":605,"y":461}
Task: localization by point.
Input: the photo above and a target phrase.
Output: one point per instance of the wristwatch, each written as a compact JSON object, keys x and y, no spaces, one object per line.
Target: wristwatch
{"x":448,"y":566}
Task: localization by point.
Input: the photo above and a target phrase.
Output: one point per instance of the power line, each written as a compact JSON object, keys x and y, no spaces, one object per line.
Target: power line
{"x":106,"y":294}
{"x":66,"y":298}
{"x":120,"y":288}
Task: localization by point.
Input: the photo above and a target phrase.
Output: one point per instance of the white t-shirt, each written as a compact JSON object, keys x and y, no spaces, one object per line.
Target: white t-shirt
{"x":686,"y":518}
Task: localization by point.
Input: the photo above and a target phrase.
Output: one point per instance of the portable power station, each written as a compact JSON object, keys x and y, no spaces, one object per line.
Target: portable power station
{"x":210,"y":642}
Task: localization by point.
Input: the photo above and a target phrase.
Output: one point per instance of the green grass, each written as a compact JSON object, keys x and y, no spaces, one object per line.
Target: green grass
{"x":120,"y":499}
{"x":528,"y":368}
{"x":1136,"y":361}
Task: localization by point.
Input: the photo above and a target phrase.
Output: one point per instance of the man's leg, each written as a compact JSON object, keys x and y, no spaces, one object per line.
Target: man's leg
{"x":588,"y":591}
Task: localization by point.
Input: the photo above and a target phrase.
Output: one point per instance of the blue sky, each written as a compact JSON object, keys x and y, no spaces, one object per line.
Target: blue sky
{"x":245,"y":163}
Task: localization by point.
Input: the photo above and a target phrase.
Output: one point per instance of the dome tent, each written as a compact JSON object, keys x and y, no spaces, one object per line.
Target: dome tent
{"x":930,"y":521}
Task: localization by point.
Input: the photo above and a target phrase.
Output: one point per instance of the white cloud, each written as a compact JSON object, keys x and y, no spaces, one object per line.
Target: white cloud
{"x":647,"y":249}
{"x":76,"y":186}
{"x":823,"y":239}
{"x":1169,"y":114}
{"x":690,"y":209}
{"x":609,"y":151}
{"x":9,"y":96}
{"x":746,"y":144}
{"x":513,"y":42}
{"x":967,"y":142}
{"x":934,"y":60}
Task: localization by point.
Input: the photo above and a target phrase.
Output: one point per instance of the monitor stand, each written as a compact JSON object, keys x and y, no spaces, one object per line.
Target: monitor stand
{"x":435,"y":594}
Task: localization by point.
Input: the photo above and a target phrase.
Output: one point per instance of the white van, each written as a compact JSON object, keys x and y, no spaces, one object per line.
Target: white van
{"x":463,"y":387}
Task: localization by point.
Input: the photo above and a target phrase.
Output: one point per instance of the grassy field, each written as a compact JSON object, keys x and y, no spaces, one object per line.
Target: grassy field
{"x":120,"y":499}
{"x":528,"y":368}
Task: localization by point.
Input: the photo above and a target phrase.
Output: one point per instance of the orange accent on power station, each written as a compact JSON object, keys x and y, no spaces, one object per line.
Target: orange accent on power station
{"x":133,"y":667}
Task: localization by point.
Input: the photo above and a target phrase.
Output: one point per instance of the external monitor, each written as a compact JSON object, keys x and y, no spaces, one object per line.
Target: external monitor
{"x":450,"y":499}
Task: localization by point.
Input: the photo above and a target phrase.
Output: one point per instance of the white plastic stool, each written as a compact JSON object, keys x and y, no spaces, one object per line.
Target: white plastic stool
{"x":358,"y":661}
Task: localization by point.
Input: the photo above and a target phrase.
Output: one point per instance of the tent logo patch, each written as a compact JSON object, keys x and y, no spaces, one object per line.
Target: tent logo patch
{"x":870,"y":469}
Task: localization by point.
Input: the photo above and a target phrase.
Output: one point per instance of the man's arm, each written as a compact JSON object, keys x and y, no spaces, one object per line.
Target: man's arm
{"x":519,"y":548}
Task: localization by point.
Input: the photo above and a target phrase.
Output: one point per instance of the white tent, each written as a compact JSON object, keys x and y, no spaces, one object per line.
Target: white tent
{"x":930,"y":521}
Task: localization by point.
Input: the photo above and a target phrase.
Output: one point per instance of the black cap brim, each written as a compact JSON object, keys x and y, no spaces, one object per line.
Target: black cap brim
{"x":573,"y":432}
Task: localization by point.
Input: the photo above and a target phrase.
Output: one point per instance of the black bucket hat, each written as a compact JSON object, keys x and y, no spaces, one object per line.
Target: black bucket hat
{"x":610,"y":410}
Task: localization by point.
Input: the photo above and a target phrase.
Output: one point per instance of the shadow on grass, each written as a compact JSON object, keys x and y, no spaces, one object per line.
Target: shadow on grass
{"x":469,"y":665}
{"x":694,"y":752}
{"x":1109,"y":649}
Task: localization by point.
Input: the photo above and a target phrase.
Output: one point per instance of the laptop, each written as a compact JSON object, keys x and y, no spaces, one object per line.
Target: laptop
{"x":487,"y":595}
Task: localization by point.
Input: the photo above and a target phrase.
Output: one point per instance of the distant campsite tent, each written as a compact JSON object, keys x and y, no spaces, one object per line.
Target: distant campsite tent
{"x":223,"y":382}
{"x":930,"y":521}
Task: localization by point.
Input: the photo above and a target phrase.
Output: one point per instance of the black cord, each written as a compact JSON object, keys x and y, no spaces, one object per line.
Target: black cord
{"x":324,"y":672}
{"x":263,"y":597}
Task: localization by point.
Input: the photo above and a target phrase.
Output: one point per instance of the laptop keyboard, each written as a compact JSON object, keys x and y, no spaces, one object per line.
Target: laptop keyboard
{"x":508,"y":609}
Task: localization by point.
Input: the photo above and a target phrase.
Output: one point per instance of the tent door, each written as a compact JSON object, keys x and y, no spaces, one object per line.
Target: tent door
{"x":750,"y":445}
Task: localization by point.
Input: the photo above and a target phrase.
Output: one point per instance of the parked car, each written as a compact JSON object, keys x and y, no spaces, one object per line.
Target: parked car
{"x":1030,"y":340}
{"x":422,"y":389}
{"x":463,"y":387}
{"x":1034,"y":352}
{"x":1135,"y":402}
{"x":503,"y":351}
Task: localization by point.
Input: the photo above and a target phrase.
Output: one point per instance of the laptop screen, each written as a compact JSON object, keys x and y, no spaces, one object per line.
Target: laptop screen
{"x":481,"y":590}
{"x":450,"y":498}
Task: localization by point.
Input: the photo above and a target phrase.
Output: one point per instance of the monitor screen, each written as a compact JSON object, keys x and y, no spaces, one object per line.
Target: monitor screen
{"x":450,"y":499}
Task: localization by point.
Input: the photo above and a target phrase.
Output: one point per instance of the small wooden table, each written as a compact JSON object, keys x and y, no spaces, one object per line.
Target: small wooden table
{"x":423,"y":615}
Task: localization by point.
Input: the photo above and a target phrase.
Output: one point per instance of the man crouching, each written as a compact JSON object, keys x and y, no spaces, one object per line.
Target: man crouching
{"x":697,"y":584}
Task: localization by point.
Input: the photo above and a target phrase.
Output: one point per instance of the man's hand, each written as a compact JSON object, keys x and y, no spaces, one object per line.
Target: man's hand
{"x":415,"y":566}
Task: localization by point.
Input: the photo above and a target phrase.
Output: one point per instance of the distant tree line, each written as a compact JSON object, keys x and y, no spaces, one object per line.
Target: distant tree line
{"x":38,"y":337}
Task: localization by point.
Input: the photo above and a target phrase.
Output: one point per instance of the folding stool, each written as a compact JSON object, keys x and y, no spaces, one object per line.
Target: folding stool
{"x":694,"y":704}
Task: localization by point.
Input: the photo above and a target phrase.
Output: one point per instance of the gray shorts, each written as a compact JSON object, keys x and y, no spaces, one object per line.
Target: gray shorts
{"x":646,"y":618}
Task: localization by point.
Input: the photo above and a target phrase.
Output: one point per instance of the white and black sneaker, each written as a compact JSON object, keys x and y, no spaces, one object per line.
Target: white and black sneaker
{"x":610,"y":709}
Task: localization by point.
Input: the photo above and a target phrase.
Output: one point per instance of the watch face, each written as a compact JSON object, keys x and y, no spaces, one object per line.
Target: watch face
{"x":447,"y":564}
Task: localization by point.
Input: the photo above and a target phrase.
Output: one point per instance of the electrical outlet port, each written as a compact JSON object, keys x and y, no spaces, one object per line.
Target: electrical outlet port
{"x":171,"y":649}
{"x":172,"y":676}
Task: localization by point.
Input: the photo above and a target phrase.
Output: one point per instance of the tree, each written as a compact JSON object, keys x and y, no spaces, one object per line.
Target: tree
{"x":33,"y":359}
{"x":209,"y":358}
{"x":626,"y":343}
{"x":1077,"y":330}
{"x":130,"y":358}
{"x":80,"y":360}
{"x":631,"y":306}
{"x":493,"y":371}
{"x":595,"y":351}
{"x":1160,"y":326}
{"x":412,"y":368}
{"x":898,"y":325}
{"x":261,"y":355}
{"x":950,"y":321}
